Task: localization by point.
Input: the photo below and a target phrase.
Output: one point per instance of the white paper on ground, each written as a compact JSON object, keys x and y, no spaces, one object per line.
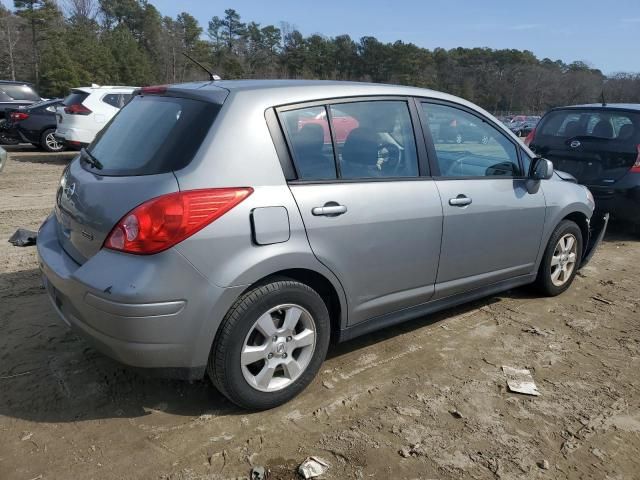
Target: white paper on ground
{"x":313,"y":467}
{"x":520,"y":381}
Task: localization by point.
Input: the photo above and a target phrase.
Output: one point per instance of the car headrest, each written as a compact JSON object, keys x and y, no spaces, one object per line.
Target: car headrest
{"x":603,"y":129}
{"x":361,"y":147}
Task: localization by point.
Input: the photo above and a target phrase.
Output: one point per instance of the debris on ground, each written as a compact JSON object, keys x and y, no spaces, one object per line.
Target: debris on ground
{"x":313,"y":467}
{"x":535,"y":331}
{"x":544,"y":464}
{"x":520,"y":381}
{"x":602,"y":300}
{"x":415,"y":450}
{"x":455,"y":413}
{"x":23,"y":238}
{"x":258,"y":473}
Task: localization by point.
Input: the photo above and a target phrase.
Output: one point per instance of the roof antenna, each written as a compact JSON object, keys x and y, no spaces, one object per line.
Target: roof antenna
{"x":604,"y":103}
{"x":213,"y":77}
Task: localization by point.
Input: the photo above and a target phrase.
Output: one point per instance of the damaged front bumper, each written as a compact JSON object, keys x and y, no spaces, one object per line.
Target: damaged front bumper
{"x":597,"y":229}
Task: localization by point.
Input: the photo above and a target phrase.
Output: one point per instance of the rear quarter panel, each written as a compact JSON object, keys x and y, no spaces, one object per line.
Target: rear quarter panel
{"x":239,"y":152}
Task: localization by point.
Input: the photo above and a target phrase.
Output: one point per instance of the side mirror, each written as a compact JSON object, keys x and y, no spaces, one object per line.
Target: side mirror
{"x":541,"y":169}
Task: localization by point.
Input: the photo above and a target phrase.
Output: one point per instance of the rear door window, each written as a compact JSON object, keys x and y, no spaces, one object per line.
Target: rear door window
{"x":310,"y":141}
{"x":374,"y":139}
{"x":117,"y":100}
{"x":356,"y":140}
{"x":152,"y":135}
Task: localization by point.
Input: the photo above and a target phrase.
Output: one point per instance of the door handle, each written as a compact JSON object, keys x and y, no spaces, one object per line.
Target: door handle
{"x":460,"y":201}
{"x":330,"y":209}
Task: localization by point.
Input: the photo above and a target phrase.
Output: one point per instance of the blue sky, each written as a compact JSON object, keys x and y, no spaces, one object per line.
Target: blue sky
{"x":605,"y":34}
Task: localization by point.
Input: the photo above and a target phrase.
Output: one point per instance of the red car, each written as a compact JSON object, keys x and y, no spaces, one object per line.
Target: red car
{"x":342,"y":125}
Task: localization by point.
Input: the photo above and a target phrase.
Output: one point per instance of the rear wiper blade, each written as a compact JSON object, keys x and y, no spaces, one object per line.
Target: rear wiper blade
{"x":90,"y":159}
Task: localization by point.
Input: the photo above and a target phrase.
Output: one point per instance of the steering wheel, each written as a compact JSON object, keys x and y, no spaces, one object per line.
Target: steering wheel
{"x":389,"y":156}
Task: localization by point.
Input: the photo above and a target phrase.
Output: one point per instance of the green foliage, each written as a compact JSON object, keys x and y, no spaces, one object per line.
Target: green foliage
{"x":132,"y":43}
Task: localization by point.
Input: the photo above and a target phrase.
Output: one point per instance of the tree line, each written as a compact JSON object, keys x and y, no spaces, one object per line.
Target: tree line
{"x":58,"y":46}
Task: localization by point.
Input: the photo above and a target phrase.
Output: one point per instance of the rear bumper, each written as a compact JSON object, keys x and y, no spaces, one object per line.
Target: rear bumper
{"x":622,"y":203}
{"x":72,"y":134}
{"x":153,"y":312}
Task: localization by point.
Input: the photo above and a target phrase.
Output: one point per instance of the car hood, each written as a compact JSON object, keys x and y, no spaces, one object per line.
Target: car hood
{"x":567,"y":177}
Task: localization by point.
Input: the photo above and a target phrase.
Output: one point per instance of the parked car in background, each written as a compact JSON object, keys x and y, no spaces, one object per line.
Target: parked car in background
{"x":524,"y":128}
{"x":209,"y":229}
{"x":35,"y":124}
{"x":16,"y":94}
{"x":458,"y":130}
{"x":13,"y":95}
{"x":600,"y":146}
{"x":87,"y":110}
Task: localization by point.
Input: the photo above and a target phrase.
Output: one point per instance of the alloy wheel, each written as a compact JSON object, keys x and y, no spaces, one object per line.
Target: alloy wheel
{"x":278,"y":348}
{"x":51,"y":142}
{"x":563,"y":260}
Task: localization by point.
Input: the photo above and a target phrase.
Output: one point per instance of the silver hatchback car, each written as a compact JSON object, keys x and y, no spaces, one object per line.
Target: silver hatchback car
{"x":233,"y":228}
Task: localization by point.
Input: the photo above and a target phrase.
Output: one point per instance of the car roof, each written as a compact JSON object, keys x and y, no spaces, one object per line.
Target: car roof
{"x":15,"y":82}
{"x":606,"y":106}
{"x":283,"y":92}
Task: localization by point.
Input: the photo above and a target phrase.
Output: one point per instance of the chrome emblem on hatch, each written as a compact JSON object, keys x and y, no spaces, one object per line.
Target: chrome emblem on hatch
{"x":69,"y":190}
{"x":575,"y":144}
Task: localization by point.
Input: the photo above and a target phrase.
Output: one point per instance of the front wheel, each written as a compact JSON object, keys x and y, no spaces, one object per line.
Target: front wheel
{"x":270,"y":345}
{"x":561,"y":259}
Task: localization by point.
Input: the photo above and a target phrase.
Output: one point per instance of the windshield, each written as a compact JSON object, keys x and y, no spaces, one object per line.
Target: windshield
{"x":153,"y":134}
{"x":597,"y":124}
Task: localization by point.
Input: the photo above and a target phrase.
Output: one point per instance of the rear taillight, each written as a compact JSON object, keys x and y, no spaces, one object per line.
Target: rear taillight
{"x":636,"y":166}
{"x":164,"y":221}
{"x":77,"y":109}
{"x":530,"y":137}
{"x":19,"y":116}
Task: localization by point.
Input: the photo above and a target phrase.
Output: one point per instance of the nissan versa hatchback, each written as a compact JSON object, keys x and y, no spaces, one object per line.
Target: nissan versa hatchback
{"x":227,"y":229}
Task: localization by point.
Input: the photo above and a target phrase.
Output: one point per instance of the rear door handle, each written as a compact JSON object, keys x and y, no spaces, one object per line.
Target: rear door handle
{"x":460,"y":201}
{"x":330,"y":209}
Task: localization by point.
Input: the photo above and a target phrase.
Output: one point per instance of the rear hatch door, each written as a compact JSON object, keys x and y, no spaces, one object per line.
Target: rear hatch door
{"x":138,"y":151}
{"x":597,"y":146}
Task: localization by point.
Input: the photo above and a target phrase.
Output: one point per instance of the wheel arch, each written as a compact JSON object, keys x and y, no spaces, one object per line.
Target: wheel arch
{"x":583,"y":222}
{"x":322,"y":285}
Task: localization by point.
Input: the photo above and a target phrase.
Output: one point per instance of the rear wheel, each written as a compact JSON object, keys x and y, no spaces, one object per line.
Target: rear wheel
{"x":561,"y":259}
{"x":270,"y":345}
{"x":49,"y":142}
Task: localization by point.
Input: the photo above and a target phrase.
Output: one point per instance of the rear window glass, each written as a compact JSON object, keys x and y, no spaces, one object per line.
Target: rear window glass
{"x":601,"y":124}
{"x":153,"y":134}
{"x":75,"y":97}
{"x":20,"y":92}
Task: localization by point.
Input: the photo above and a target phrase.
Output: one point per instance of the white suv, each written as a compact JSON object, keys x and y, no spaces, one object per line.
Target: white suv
{"x":87,"y":110}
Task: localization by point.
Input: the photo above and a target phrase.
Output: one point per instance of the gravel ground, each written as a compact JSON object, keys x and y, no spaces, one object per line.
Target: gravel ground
{"x":427,"y":399}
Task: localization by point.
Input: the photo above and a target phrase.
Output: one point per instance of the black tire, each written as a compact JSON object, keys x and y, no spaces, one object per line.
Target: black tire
{"x":45,"y":144}
{"x":224,"y":366}
{"x":544,"y":281}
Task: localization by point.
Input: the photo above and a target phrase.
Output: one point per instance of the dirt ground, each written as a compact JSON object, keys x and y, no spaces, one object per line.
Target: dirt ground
{"x":424,"y":400}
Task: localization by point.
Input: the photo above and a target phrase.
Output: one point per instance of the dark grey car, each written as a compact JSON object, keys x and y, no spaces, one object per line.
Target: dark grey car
{"x":234,"y":227}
